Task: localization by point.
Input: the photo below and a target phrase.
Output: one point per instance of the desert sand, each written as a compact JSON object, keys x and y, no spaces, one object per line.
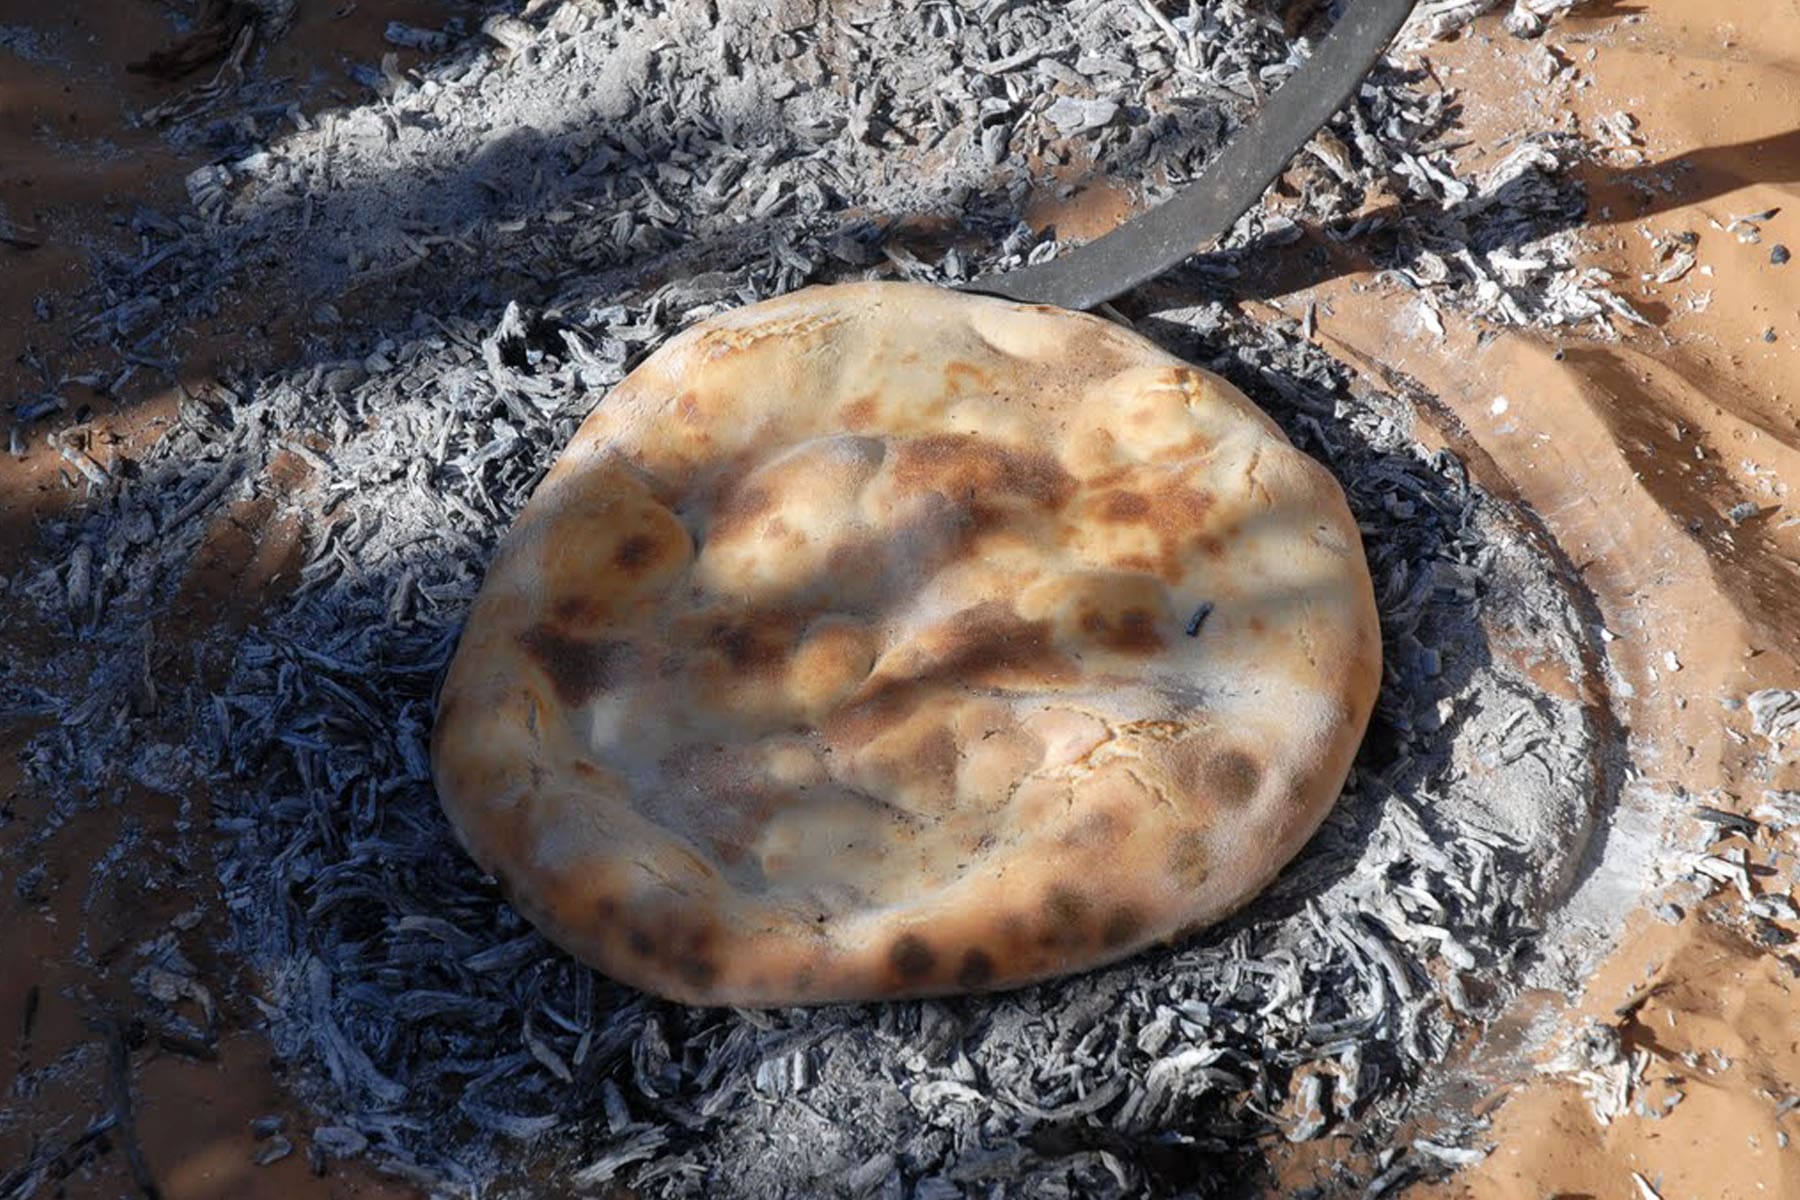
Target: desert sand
{"x":1635,"y":454}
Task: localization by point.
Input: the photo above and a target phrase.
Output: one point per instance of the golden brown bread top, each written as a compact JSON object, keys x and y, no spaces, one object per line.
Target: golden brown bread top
{"x":845,"y":653}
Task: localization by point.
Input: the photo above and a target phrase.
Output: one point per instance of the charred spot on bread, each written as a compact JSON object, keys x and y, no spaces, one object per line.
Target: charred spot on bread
{"x":634,"y":552}
{"x":912,"y":957}
{"x":977,"y":968}
{"x":577,"y":668}
{"x":696,"y":971}
{"x":1122,"y":926}
{"x":1233,"y":776}
{"x":1064,"y":906}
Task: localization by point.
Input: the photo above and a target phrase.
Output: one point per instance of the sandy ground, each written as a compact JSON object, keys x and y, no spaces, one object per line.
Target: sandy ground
{"x":73,"y":167}
{"x":1635,"y":454}
{"x":1632,"y":454}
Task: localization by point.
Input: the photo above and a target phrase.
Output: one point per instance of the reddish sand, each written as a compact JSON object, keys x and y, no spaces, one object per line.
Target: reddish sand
{"x":1633,"y":454}
{"x":72,"y":168}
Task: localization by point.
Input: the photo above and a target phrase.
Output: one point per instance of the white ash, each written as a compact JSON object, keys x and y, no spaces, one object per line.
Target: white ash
{"x":614,"y":135}
{"x":1435,"y":20}
{"x":1775,"y":714}
{"x":515,"y":228}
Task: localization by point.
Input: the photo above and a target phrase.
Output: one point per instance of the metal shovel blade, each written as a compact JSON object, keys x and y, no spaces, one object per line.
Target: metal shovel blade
{"x":1207,"y":208}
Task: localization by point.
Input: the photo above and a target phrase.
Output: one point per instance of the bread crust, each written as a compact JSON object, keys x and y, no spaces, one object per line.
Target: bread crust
{"x":849,"y":652}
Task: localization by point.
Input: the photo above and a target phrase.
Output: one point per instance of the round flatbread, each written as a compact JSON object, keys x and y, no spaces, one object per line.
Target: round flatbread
{"x":882,"y":641}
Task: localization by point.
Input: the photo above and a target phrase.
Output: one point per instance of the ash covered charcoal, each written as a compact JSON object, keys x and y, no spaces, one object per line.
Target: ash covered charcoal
{"x":622,"y":144}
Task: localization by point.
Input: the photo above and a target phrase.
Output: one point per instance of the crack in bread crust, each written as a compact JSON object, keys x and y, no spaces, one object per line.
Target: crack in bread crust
{"x":846,"y":653}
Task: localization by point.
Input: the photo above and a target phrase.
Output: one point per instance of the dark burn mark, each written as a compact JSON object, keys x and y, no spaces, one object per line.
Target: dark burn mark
{"x":1173,"y":514}
{"x":1136,"y":630}
{"x":1065,"y":906}
{"x":988,"y":645}
{"x":577,"y":669}
{"x":1199,"y":618}
{"x":886,"y":704}
{"x":968,"y":468}
{"x":736,"y":642}
{"x":991,"y":639}
{"x":697,"y":972}
{"x":1233,"y":777}
{"x":682,"y":944}
{"x":577,"y":611}
{"x":1122,"y":926}
{"x":1130,"y":632}
{"x":911,"y":958}
{"x":635,"y":552}
{"x":977,"y":969}
{"x":749,"y":645}
{"x":687,"y":949}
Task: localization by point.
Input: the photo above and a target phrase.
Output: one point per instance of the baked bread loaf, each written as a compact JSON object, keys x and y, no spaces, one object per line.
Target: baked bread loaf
{"x":882,"y":641}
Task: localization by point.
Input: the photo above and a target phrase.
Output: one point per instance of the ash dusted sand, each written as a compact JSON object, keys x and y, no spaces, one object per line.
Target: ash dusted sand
{"x":1667,"y":465}
{"x":881,"y":641}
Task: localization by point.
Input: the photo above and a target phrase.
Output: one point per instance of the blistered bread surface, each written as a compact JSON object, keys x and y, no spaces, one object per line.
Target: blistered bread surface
{"x":885,"y":641}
